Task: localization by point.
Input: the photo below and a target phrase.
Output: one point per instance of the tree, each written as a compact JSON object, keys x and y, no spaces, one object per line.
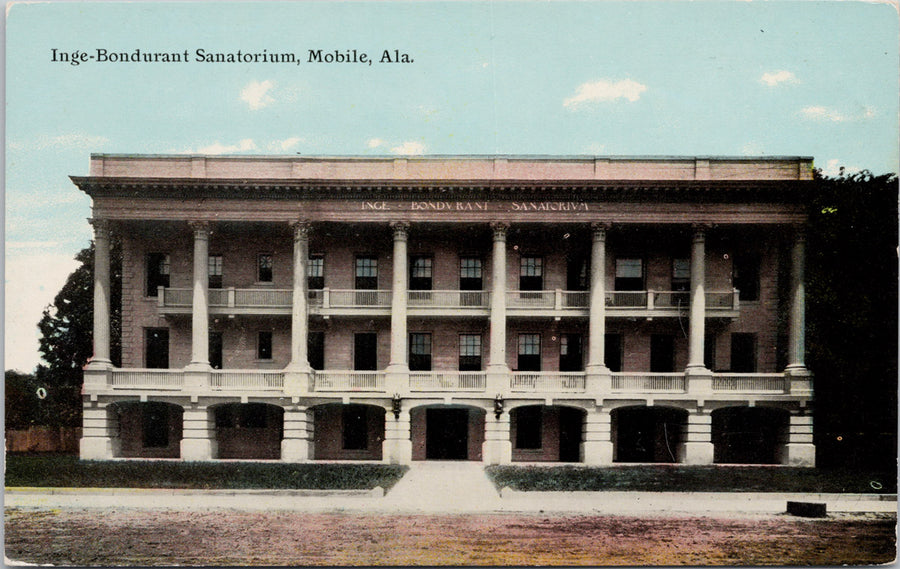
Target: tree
{"x":66,"y":328}
{"x":852,"y":316}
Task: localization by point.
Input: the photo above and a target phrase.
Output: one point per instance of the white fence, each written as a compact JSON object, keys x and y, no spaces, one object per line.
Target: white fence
{"x":249,"y":379}
{"x":448,"y":298}
{"x":647,"y":382}
{"x":146,"y":378}
{"x":447,"y":380}
{"x":547,"y":381}
{"x":750,"y":382}
{"x":339,"y":380}
{"x":357,"y":299}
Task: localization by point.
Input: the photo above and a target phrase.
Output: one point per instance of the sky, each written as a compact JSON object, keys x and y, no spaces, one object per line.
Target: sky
{"x":802,"y":78}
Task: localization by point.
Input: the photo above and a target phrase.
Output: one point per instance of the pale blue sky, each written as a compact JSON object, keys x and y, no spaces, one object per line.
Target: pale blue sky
{"x":667,"y":78}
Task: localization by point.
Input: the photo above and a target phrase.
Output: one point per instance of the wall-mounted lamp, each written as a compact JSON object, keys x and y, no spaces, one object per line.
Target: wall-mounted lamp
{"x":498,"y":406}
{"x":395,"y":405}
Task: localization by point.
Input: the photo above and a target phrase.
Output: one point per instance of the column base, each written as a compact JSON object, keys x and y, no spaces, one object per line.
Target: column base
{"x":197,"y":449}
{"x":95,"y":448}
{"x":296,"y":381}
{"x":800,"y":454}
{"x":698,"y":379}
{"x":597,"y":452}
{"x":598,"y":381}
{"x":799,"y":380}
{"x":396,"y":451}
{"x":698,"y":453}
{"x":98,"y":364}
{"x":295,"y":450}
{"x":198,"y":367}
{"x":496,"y":452}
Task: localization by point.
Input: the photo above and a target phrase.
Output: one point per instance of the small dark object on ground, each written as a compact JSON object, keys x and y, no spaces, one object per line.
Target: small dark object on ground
{"x":806,"y":509}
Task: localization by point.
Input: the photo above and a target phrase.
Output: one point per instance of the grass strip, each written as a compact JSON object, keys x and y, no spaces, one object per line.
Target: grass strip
{"x":69,"y":471}
{"x":678,"y":478}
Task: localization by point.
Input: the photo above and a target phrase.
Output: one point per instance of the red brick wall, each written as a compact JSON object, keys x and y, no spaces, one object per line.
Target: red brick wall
{"x":329,"y":439}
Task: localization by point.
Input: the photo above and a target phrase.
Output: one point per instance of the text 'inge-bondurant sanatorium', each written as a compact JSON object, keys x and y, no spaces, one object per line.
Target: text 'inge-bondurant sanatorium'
{"x":201,"y":55}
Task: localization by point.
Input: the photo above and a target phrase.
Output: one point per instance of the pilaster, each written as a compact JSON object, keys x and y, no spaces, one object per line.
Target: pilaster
{"x":99,"y":433}
{"x":697,"y":436}
{"x":597,"y":445}
{"x":198,"y":440}
{"x":497,"y":446}
{"x":799,"y":449}
{"x":397,"y":445}
{"x":295,"y":446}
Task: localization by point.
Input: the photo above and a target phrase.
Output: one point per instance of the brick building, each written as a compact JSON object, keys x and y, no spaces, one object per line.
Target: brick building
{"x":496,"y":309}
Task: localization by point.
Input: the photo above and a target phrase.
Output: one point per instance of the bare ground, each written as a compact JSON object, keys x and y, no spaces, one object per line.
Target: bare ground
{"x":227,"y":537}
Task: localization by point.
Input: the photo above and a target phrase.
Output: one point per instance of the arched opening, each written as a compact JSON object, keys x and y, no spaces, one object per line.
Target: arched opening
{"x":249,"y":430}
{"x":447,"y":432}
{"x":543,"y":433}
{"x":647,"y":434}
{"x":150,"y":429}
{"x":348,"y":432}
{"x":748,"y":435}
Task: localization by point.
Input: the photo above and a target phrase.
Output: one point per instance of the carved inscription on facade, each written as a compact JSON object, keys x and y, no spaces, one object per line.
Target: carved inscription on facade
{"x":454,"y":206}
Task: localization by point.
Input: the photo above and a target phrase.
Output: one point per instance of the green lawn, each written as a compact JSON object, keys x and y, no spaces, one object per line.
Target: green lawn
{"x":676,"y":478}
{"x":68,"y":471}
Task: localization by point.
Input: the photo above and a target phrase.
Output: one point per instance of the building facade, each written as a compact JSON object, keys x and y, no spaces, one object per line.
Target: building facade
{"x":497,"y":309}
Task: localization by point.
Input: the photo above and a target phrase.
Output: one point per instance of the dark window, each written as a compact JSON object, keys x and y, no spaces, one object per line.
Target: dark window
{"x":253,"y":415}
{"x":745,"y":275}
{"x":470,"y":273}
{"x":662,"y":353}
{"x":214,"y":262}
{"x":157,"y":272}
{"x":156,"y":348}
{"x":629,"y":274}
{"x":215,"y":350}
{"x":364,"y":351}
{"x":315,"y":272}
{"x":613,"y":349}
{"x":577,"y":277}
{"x":529,"y":352}
{"x":419,"y":352}
{"x":264,"y":345}
{"x":420,"y":273}
{"x":531,"y":273}
{"x":709,"y":352}
{"x":315,"y":349}
{"x":529,"y":424}
{"x":571,"y":353}
{"x":355,"y":429}
{"x":155,"y":419}
{"x":264,"y":266}
{"x":743,"y":353}
{"x":469,"y":352}
{"x":681,"y":274}
{"x":366,"y":273}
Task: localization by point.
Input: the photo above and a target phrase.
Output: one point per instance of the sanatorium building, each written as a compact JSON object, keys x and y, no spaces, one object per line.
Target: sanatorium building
{"x":499,"y":309}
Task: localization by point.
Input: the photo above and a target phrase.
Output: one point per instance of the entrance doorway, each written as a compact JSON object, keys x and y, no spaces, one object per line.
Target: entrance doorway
{"x":446,"y":434}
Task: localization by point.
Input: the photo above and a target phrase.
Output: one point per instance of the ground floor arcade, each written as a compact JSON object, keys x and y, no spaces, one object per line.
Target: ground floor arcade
{"x":491,"y":431}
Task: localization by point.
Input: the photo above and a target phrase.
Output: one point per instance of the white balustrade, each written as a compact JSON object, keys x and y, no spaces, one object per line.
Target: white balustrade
{"x":263,"y":298}
{"x":547,"y":381}
{"x":359,"y":298}
{"x":672,"y":299}
{"x":530,"y":299}
{"x":648,"y":382}
{"x":750,"y":382}
{"x":175,"y":297}
{"x":219,"y":296}
{"x":576,"y":299}
{"x":343,"y":380}
{"x":721,"y":300}
{"x":626,"y":299}
{"x":146,"y":378}
{"x":448,"y":298}
{"x":247,"y":379}
{"x":447,"y":380}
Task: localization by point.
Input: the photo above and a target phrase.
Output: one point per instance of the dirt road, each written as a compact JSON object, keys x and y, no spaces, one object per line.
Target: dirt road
{"x":225,"y":537}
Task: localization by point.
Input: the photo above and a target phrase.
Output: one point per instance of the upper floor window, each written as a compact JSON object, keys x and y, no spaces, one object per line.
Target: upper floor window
{"x":264,"y":345}
{"x":577,"y":277}
{"x":419,"y":352}
{"x":629,"y":274}
{"x":315,"y":272}
{"x":531,"y":273}
{"x":681,"y":274}
{"x":420,"y":273}
{"x":366,"y":273}
{"x":745,"y":275}
{"x":469,"y":352}
{"x":157,"y":272}
{"x":470,"y":273}
{"x":214,"y":262}
{"x":529,"y":352}
{"x":264,"y":266}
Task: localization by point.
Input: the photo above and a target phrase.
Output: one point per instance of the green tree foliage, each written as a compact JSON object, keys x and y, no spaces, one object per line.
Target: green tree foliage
{"x":852,"y":315}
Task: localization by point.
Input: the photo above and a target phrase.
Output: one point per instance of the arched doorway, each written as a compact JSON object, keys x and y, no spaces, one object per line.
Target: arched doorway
{"x":542,"y":433}
{"x":447,"y":432}
{"x":748,"y":435}
{"x":647,"y":434}
{"x":150,"y":429}
{"x":348,"y":431}
{"x":249,"y":430}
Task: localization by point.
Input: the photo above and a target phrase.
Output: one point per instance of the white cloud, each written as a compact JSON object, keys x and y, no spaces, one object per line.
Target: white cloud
{"x":375,"y":142}
{"x":285,"y":145}
{"x":833,"y":168}
{"x":409,"y":147}
{"x":256,"y":94}
{"x":244,"y":145}
{"x":28,"y":292}
{"x":602,"y":90}
{"x":820,"y":113}
{"x":773,"y":78}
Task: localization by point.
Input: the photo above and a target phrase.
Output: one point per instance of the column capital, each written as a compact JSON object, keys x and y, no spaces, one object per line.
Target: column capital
{"x":200,"y":228}
{"x":301,"y":228}
{"x":101,"y":226}
{"x":401,"y":229}
{"x":599,"y":229}
{"x":800,"y":233}
{"x":699,"y":230}
{"x":499,"y":228}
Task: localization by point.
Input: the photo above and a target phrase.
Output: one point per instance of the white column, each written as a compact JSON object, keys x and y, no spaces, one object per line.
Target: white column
{"x":295,"y":446}
{"x":399,"y":354}
{"x":200,"y":306}
{"x":799,"y":449}
{"x":597,"y":445}
{"x":497,"y":446}
{"x":698,"y":300}
{"x":797,"y":322}
{"x":596,"y":363}
{"x":100,"y":359}
{"x":198,"y":439}
{"x":497,"y":352}
{"x":697,"y":437}
{"x":299,"y":323}
{"x":99,"y":433}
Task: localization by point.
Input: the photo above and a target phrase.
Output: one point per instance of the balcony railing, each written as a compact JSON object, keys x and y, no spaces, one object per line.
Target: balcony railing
{"x":343,"y":380}
{"x":750,"y":382}
{"x":447,"y":380}
{"x":339,"y":298}
{"x":146,"y":379}
{"x":648,"y":382}
{"x":547,"y":299}
{"x":547,"y":381}
{"x":247,"y":379}
{"x":448,"y":298}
